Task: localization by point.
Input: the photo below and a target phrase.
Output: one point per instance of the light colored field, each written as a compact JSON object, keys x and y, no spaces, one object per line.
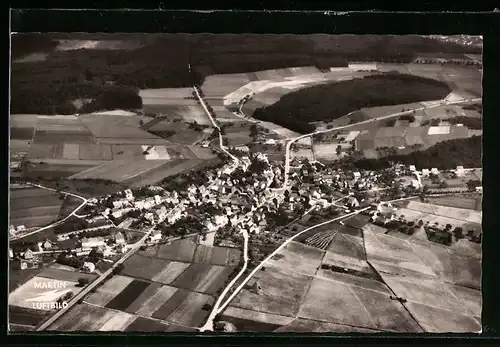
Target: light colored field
{"x":425,"y":291}
{"x":411,"y":215}
{"x":205,"y":283}
{"x":449,"y":266}
{"x":298,"y":257}
{"x":182,"y":250}
{"x":470,"y":298}
{"x":190,"y":307}
{"x":19,"y":145}
{"x":257,"y":316}
{"x":32,"y":289}
{"x":449,"y":212}
{"x":281,"y":293}
{"x":118,"y":322}
{"x":166,"y":93}
{"x":347,"y":245}
{"x":120,"y":170}
{"x":437,"y":320}
{"x":171,"y":272}
{"x":334,"y":302}
{"x":95,"y":152}
{"x":83,"y":318}
{"x":115,"y":127}
{"x":49,"y":210}
{"x":79,"y":128}
{"x":196,"y":114}
{"x":109,"y":290}
{"x":71,"y":151}
{"x":154,"y":303}
{"x":156,"y":153}
{"x":439,"y":130}
{"x":145,"y":295}
{"x":68,"y":276}
{"x":391,"y":250}
{"x":352,"y":280}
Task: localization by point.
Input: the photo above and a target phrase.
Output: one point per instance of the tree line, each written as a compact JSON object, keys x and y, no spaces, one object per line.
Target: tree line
{"x":327,"y":102}
{"x":51,"y":86}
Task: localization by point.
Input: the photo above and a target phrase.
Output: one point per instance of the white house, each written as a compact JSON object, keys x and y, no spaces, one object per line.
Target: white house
{"x":357,"y":175}
{"x":434,"y":171}
{"x":119,"y":238}
{"x":413,"y":168}
{"x":128,"y":194}
{"x":88,"y":267}
{"x":93,"y":242}
{"x":11,"y":253}
{"x":460,"y":171}
{"x":270,"y":142}
{"x":425,"y":172}
{"x":353,"y":202}
{"x":156,"y":235}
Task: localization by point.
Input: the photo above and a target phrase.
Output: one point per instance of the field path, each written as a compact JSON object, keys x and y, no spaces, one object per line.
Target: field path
{"x":73,"y":213}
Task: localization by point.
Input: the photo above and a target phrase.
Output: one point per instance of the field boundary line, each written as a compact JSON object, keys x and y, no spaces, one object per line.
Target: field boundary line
{"x":89,"y":170}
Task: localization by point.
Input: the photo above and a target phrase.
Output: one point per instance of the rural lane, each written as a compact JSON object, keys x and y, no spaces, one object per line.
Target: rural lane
{"x":73,"y":213}
{"x":283,"y":245}
{"x":94,"y":284}
{"x":204,"y":105}
{"x":398,"y":114}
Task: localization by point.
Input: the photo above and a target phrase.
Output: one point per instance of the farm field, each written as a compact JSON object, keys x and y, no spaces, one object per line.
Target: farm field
{"x":354,"y":307}
{"x":144,"y":267}
{"x":306,"y":326}
{"x":33,"y":207}
{"x":297,"y":257}
{"x":120,"y":170}
{"x":281,"y":293}
{"x":83,"y":317}
{"x":116,"y":127}
{"x":464,"y":202}
{"x":248,"y":320}
{"x":460,"y":214}
{"x":26,"y":318}
{"x":182,"y":250}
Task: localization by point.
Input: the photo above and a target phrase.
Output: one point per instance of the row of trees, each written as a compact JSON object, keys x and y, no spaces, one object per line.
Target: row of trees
{"x":327,"y":102}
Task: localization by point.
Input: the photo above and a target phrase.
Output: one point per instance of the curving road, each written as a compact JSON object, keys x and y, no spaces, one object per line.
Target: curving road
{"x":221,"y":143}
{"x":59,"y":221}
{"x":398,"y":114}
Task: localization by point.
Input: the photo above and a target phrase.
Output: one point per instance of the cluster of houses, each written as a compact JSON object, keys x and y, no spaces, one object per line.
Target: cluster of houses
{"x":105,"y":246}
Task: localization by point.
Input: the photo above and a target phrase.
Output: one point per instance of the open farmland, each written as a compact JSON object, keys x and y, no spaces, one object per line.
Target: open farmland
{"x":281,"y":293}
{"x":33,"y":206}
{"x":83,"y":317}
{"x":121,"y":170}
{"x":463,"y":202}
{"x":299,"y":258}
{"x":248,"y":320}
{"x":143,"y":267}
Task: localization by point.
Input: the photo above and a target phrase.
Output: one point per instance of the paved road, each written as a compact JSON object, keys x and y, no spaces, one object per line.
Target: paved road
{"x":59,"y":221}
{"x":221,"y":143}
{"x":95,"y":283}
{"x":398,"y":114}
{"x":283,"y":245}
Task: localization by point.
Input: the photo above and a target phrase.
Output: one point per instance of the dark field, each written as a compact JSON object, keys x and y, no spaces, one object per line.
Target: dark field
{"x":141,"y":324}
{"x":127,"y":295}
{"x":190,"y":278}
{"x":26,"y":316}
{"x":59,"y":137}
{"x":168,"y":307}
{"x":21,"y":133}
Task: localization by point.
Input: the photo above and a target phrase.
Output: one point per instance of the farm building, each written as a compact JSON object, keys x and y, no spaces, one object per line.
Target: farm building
{"x":88,"y":267}
{"x":460,"y":171}
{"x":413,"y":168}
{"x":434,"y":171}
{"x":425,"y":172}
{"x":353,"y":202}
{"x":119,"y":238}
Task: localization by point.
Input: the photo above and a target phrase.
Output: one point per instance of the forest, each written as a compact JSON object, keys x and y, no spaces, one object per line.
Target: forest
{"x":53,"y":85}
{"x":444,"y":155}
{"x":327,"y":102}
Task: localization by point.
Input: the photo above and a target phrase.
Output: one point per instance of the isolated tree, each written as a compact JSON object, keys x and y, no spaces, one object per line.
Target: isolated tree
{"x":458,"y":233}
{"x":83,"y":282}
{"x":447,"y":227}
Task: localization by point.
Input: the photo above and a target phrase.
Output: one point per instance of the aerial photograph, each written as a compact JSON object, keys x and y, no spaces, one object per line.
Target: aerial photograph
{"x":245,"y":183}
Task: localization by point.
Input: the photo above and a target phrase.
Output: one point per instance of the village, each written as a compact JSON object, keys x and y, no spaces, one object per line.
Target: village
{"x":220,"y":203}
